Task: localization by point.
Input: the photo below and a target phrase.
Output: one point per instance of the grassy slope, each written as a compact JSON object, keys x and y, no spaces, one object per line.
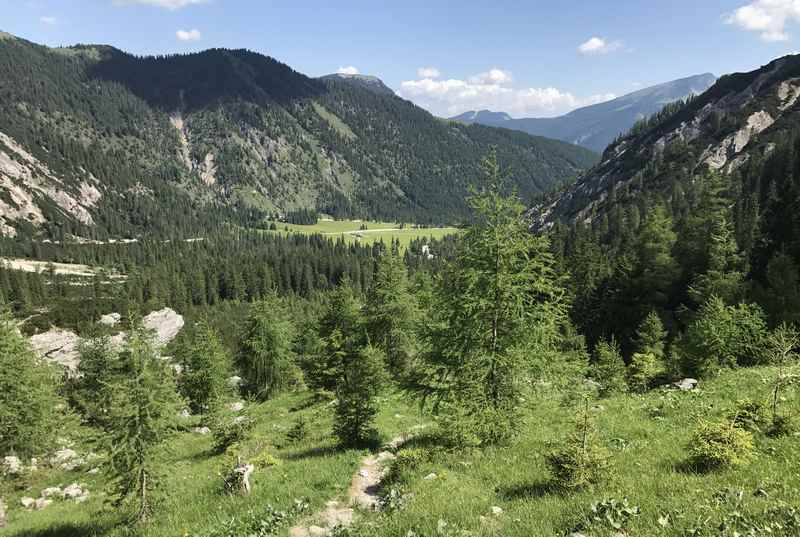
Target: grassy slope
{"x":375,"y":232}
{"x":648,"y":435}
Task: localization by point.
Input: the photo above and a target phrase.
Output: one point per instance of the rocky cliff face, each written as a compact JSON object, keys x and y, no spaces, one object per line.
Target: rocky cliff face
{"x":737,"y":119}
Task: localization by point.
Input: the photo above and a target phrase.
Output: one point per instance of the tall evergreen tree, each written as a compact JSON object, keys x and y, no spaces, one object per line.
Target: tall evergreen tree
{"x":498,"y":301}
{"x":206,"y":368}
{"x":362,"y":377}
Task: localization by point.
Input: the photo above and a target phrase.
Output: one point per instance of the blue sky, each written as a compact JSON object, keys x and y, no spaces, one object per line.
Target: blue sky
{"x":530,"y":58}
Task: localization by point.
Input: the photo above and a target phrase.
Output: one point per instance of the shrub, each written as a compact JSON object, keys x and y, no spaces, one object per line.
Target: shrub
{"x":298,"y":430}
{"x":782,"y":425}
{"x":582,"y":460}
{"x":749,"y":415}
{"x":719,"y":445}
{"x":230,"y":431}
{"x":724,"y":336}
{"x":608,"y":368}
{"x":642,"y":369}
{"x":407,"y":460}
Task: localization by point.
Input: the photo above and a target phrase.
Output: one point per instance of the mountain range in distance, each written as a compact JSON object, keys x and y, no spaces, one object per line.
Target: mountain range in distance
{"x":596,"y":126}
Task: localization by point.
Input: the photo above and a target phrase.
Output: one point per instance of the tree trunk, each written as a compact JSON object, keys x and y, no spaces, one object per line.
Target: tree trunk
{"x":244,"y":471}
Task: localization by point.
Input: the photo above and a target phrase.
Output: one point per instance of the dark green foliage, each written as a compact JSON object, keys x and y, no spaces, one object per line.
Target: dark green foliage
{"x":496,"y":304}
{"x":298,"y":430}
{"x":207,"y":366}
{"x":582,"y":460}
{"x":650,"y":336}
{"x":642,"y":370}
{"x":608,"y":368}
{"x":392,"y":313}
{"x":724,"y":336}
{"x":716,"y":445}
{"x":28,"y":397}
{"x":362,"y":377}
{"x":99,"y":367}
{"x":144,"y":408}
{"x":229,"y":431}
{"x":267,"y":360}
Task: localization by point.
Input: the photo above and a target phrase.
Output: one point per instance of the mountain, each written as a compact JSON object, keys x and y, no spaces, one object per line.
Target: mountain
{"x":372,"y":83}
{"x":596,"y":126}
{"x":96,"y":142}
{"x":744,"y":128}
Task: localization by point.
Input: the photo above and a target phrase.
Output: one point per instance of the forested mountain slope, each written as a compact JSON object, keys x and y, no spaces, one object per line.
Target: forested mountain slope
{"x":96,"y":142}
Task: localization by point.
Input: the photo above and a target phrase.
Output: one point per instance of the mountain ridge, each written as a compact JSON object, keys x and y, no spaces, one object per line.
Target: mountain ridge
{"x":596,"y":126}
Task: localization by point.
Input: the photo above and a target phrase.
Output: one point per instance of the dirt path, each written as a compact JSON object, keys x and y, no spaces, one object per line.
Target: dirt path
{"x":363,"y":494}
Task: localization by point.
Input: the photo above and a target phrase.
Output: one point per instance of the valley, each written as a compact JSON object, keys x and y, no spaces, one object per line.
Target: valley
{"x":237,"y":300}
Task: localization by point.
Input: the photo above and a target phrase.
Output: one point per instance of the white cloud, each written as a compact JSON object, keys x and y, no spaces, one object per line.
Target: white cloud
{"x":428,"y":72}
{"x":767,"y":17}
{"x":189,"y":35}
{"x":50,"y":21}
{"x":172,"y":5}
{"x":599,"y":45}
{"x":350,"y":70}
{"x":491,"y":90}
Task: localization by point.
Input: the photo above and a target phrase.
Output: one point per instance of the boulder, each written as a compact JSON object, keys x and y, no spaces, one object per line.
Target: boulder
{"x":430,"y":477}
{"x":12,"y":465}
{"x":41,"y":503}
{"x":686,"y":385}
{"x":27,"y":502}
{"x":111,"y":319}
{"x":76,"y":492}
{"x":52,"y":492}
{"x":201,"y":430}
{"x":234,"y":381}
{"x":185,"y":414}
{"x":58,"y":346}
{"x":237,"y":406}
{"x":497,"y":511}
{"x":166,"y":324}
{"x":65,"y":459}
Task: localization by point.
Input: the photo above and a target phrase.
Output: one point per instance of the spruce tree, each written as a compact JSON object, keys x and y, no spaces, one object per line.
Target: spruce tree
{"x":608,"y":367}
{"x":650,"y":336}
{"x":391,"y":313}
{"x":266,"y":359}
{"x":361,"y":379}
{"x":497,"y":303}
{"x":206,"y":368}
{"x":98,"y":368}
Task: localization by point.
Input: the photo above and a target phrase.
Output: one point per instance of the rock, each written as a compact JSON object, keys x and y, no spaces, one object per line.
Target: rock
{"x":34,"y":464}
{"x":430,"y":477}
{"x":685,"y":385}
{"x":238,"y":406}
{"x":185,"y":414}
{"x":497,"y":511}
{"x":52,"y":492}
{"x":41,"y":503}
{"x":76,"y":492}
{"x":111,"y":319}
{"x":317,"y":531}
{"x":239,"y":419}
{"x":27,"y":502}
{"x":201,"y":430}
{"x":12,"y":465}
{"x":65,"y":459}
{"x":178,"y":369}
{"x":58,"y":346}
{"x":234,"y":381}
{"x":166,"y":324}
{"x":94,"y":471}
{"x":363,"y":473}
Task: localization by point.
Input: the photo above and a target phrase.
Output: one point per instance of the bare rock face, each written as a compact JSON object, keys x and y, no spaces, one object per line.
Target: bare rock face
{"x":58,"y":346}
{"x":166,"y":324}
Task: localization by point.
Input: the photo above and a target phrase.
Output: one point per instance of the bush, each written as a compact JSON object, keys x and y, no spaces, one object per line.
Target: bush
{"x":406,"y":461}
{"x":724,"y":336}
{"x":642,"y":369}
{"x":583,"y":460}
{"x":608,"y":368}
{"x":298,"y":430}
{"x":719,"y":445}
{"x":782,"y":425}
{"x":749,"y":415}
{"x":230,"y":431}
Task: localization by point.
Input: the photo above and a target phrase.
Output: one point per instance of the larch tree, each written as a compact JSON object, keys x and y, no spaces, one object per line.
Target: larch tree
{"x":497,"y":303}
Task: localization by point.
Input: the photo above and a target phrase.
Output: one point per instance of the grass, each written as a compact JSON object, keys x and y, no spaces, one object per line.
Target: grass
{"x":648,"y":436}
{"x":350,"y":230}
{"x":313,"y":469}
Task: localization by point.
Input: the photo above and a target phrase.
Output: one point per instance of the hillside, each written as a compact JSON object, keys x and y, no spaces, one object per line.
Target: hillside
{"x":96,"y":142}
{"x":596,"y":126}
{"x":733,"y":129}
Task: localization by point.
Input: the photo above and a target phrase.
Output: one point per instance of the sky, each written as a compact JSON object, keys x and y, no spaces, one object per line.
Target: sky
{"x":528,"y":58}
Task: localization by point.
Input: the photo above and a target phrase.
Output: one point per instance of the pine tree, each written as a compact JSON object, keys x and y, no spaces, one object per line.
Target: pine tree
{"x":206,"y":368}
{"x":362,"y":378}
{"x":143,"y":414}
{"x":27,"y":393}
{"x":98,"y":368}
{"x":266,"y":358}
{"x":608,"y":367}
{"x":391,"y":313}
{"x":650,"y":336}
{"x":497,"y":303}
{"x":724,"y":277}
